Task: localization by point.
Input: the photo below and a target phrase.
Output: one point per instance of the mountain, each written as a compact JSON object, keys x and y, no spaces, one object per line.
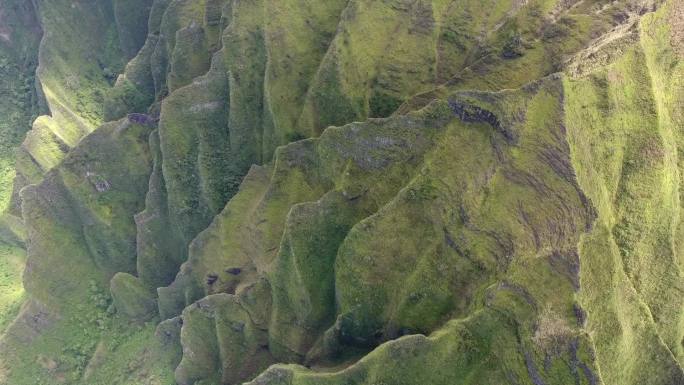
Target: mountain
{"x":376,"y":192}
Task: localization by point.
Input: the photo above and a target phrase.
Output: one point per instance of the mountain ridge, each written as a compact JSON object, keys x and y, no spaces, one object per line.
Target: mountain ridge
{"x":438,"y":208}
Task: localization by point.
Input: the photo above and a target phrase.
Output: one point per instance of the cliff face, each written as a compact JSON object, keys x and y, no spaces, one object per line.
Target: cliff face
{"x":347,"y":192}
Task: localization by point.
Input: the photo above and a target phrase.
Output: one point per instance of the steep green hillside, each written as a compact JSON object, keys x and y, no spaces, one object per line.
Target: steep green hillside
{"x":394,"y":192}
{"x":19,"y":36}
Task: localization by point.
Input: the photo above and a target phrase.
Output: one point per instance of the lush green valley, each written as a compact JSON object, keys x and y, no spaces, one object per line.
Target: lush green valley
{"x":309,"y":192}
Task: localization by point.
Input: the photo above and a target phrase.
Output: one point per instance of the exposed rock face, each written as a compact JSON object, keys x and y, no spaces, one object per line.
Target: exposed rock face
{"x":334,"y":192}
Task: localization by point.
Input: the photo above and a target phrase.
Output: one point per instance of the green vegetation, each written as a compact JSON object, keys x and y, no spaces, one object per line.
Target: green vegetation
{"x":12,"y":260}
{"x":301,"y":192}
{"x":638,"y":205}
{"x":18,"y":99}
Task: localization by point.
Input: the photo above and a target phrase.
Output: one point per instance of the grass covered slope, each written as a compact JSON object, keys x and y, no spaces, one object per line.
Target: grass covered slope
{"x":637,"y":118}
{"x":634,"y":341}
{"x":507,"y":223}
{"x":79,"y":56}
{"x":473,"y":235}
{"x":68,"y":301}
{"x":258,"y":94}
{"x":365,"y":166}
{"x":20,"y":33}
{"x":12,"y":260}
{"x":88,"y":202}
{"x":251,"y":98}
{"x":575,"y":329}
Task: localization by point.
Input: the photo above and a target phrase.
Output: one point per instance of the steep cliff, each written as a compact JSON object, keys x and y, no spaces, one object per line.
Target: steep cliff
{"x":347,"y":192}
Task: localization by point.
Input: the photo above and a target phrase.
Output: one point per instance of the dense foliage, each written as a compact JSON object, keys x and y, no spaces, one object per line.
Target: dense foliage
{"x":376,"y":192}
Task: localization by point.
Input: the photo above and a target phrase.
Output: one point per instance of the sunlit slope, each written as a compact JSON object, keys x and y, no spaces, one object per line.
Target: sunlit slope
{"x":496,"y":201}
